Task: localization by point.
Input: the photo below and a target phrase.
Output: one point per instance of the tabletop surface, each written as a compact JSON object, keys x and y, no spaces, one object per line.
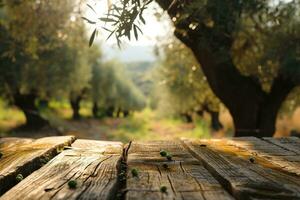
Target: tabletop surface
{"x":231,"y":168}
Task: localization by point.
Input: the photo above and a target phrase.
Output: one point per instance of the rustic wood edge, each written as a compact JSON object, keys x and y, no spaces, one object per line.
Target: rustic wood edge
{"x":9,"y":181}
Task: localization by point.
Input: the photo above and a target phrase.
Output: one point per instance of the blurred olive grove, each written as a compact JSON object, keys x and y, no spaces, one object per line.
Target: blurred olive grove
{"x":234,"y":56}
{"x":44,"y":56}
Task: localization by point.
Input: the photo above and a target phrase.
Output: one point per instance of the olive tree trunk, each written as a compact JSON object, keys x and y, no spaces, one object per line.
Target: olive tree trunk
{"x":95,"y":110}
{"x":109,"y":112}
{"x":75,"y":105}
{"x":26,"y":102}
{"x":215,"y":122}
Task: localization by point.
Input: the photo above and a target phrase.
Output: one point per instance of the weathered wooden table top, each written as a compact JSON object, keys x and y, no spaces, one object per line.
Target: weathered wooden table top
{"x":238,"y":168}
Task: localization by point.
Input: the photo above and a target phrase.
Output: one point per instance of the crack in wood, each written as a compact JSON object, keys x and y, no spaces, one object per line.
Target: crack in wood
{"x":172,"y":186}
{"x":120,"y":187}
{"x":158,"y":169}
{"x":62,"y":184}
{"x":181,"y":167}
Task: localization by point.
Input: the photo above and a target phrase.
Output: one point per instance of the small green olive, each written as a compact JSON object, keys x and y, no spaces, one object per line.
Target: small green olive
{"x":163,"y":189}
{"x":251,"y":159}
{"x":19,"y":177}
{"x":134,"y":172}
{"x":72,"y":184}
{"x":163,"y":153}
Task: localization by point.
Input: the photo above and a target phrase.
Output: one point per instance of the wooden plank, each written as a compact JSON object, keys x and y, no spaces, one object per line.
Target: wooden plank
{"x":279,"y":155}
{"x":23,"y":156}
{"x":92,"y":164}
{"x":10,"y":142}
{"x":257,"y":145}
{"x":289,"y":143}
{"x":231,"y":166}
{"x":185,"y":177}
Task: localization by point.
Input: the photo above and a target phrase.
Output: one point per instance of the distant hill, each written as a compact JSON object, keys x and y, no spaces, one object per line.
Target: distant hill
{"x":141,"y":74}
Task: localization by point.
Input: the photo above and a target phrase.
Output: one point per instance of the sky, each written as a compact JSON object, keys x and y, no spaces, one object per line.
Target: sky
{"x":133,"y":50}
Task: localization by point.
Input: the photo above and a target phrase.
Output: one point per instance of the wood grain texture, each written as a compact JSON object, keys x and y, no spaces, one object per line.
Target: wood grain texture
{"x":289,"y":143}
{"x":232,"y":167}
{"x":185,"y":177}
{"x":283,"y":154}
{"x":92,"y":164}
{"x":23,"y":156}
{"x":237,"y":168}
{"x":11,"y":142}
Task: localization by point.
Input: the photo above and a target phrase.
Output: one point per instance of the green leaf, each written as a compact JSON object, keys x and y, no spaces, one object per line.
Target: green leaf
{"x":89,"y":21}
{"x":92,"y":38}
{"x":107,"y":29}
{"x":106,"y":19}
{"x":128,"y":35}
{"x":135,"y":32}
{"x":147,"y":3}
{"x":118,"y":42}
{"x":138,"y":28}
{"x":142,"y":19}
{"x":112,"y":32}
{"x":91,"y":8}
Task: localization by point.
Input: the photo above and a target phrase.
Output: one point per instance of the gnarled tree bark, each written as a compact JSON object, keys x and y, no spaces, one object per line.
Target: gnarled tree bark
{"x":75,"y":100}
{"x":215,"y":125}
{"x":26,"y":102}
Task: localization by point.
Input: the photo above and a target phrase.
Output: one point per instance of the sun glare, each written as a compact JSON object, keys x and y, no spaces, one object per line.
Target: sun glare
{"x":153,"y":28}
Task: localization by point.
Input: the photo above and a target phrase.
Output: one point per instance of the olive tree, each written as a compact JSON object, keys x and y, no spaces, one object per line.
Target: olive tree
{"x":112,"y":92}
{"x":40,"y":58}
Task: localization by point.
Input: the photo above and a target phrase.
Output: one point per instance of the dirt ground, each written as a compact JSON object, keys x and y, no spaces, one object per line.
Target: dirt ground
{"x":144,"y":128}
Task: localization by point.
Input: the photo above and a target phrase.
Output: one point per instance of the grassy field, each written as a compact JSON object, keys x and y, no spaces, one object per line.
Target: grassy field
{"x":146,"y":125}
{"x":143,"y":125}
{"x":9,"y":117}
